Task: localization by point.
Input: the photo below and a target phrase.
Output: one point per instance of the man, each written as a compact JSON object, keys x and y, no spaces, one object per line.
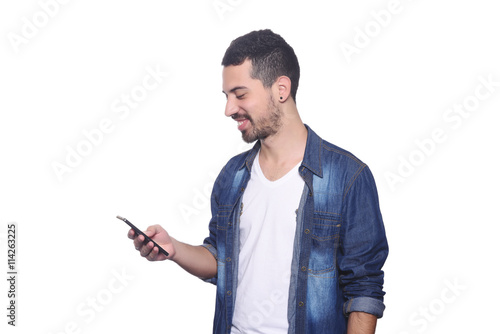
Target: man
{"x":296,"y":240}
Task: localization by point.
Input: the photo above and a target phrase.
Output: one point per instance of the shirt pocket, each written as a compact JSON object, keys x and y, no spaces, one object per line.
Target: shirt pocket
{"x":223,"y":217}
{"x":324,"y":243}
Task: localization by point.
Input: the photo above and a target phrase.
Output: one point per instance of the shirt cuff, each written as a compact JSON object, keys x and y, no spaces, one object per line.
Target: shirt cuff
{"x":364,"y":304}
{"x":213,"y":251}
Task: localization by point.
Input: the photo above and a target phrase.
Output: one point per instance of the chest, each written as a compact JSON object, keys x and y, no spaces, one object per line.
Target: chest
{"x":275,"y":171}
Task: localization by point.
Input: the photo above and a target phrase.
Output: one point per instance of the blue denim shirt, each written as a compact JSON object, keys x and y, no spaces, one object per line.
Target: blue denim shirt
{"x":339,"y":248}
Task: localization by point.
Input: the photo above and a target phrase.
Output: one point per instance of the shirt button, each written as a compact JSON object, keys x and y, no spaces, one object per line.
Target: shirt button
{"x":301,"y":304}
{"x":303,"y":268}
{"x":242,"y":189}
{"x":307,"y":231}
{"x":228,"y":259}
{"x":229,"y":293}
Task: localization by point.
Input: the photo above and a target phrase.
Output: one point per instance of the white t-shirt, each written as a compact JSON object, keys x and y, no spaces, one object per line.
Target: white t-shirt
{"x":267,"y":232}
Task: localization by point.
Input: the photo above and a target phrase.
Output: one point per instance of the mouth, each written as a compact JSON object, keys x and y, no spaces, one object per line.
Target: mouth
{"x":242,"y":123}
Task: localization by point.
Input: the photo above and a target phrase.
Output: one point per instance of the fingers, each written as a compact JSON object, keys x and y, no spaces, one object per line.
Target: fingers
{"x":138,"y":241}
{"x":147,"y":250}
{"x":153,"y":254}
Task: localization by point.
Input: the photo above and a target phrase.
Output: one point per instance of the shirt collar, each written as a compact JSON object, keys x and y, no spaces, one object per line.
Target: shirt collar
{"x":312,"y":154}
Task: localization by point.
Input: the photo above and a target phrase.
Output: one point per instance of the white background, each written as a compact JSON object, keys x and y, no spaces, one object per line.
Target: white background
{"x":162,"y":158}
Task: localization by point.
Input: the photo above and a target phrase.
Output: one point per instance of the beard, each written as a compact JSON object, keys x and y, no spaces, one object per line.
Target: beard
{"x":264,"y":126}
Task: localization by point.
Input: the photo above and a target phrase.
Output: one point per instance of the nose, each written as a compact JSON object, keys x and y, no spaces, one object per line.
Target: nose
{"x":231,"y":107}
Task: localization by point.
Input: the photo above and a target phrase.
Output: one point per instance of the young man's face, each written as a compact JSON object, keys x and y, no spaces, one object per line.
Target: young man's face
{"x":250,"y":103}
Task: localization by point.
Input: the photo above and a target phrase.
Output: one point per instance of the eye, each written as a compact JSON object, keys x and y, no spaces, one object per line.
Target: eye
{"x":240,"y":96}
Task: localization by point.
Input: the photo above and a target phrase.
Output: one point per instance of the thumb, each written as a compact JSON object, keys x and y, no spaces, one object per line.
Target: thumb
{"x":152,"y":230}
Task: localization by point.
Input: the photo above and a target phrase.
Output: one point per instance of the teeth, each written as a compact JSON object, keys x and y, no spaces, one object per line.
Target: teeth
{"x":240,"y":122}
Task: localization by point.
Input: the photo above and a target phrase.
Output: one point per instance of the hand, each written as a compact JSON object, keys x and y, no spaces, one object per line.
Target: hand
{"x":149,"y":250}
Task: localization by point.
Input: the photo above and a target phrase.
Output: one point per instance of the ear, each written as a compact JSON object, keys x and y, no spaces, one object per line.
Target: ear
{"x":284,"y":85}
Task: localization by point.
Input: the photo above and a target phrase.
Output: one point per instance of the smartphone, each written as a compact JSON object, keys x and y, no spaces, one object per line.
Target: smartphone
{"x":146,"y":238}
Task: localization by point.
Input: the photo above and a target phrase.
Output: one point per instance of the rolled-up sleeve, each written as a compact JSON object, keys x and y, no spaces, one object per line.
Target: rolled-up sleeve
{"x":210,"y":242}
{"x":363,"y":247}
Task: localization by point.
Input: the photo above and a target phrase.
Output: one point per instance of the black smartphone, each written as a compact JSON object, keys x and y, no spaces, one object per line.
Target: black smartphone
{"x":146,"y":238}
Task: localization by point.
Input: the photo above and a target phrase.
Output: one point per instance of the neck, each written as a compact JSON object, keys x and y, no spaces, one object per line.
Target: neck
{"x":288,"y":144}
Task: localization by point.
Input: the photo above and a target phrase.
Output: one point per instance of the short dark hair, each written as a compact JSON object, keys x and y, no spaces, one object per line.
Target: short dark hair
{"x":271,"y":57}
